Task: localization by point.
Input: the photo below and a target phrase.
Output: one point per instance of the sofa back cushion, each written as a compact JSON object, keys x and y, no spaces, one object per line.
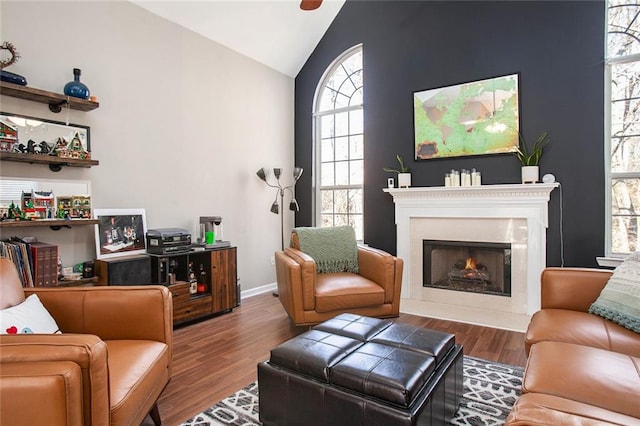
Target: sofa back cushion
{"x":619,"y":300}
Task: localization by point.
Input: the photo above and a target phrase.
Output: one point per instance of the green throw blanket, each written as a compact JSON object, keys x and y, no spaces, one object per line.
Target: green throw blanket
{"x":333,"y":249}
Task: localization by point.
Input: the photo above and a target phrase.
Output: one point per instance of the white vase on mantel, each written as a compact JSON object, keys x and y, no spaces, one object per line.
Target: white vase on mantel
{"x":530,"y":174}
{"x":404,"y":180}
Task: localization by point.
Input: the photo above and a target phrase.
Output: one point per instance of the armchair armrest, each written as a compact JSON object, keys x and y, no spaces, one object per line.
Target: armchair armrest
{"x":113,"y":312}
{"x":88,"y":352}
{"x":572,"y":288}
{"x":55,"y":386}
{"x":383,"y":269}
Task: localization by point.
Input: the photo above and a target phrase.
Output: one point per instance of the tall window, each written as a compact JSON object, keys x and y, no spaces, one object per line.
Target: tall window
{"x":623,"y":127}
{"x":339,"y":144}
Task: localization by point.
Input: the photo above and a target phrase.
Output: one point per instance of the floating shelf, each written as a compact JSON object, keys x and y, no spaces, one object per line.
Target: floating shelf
{"x":55,"y":100}
{"x":53,"y":223}
{"x":55,"y":163}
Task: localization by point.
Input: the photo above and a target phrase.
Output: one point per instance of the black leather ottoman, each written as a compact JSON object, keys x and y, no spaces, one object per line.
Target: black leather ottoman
{"x":354,"y":370}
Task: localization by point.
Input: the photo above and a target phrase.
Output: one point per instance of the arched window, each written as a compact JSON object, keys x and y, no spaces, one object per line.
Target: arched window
{"x":339,"y":144}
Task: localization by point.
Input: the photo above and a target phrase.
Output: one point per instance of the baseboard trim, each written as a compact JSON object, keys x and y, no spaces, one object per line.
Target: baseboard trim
{"x":268,"y":288}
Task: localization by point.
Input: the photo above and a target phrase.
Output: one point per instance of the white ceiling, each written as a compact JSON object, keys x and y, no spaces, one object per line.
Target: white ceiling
{"x":276,"y":33}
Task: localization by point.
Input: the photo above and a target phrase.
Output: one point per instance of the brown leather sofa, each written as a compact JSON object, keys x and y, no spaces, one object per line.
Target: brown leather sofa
{"x":311,"y":298}
{"x":581,"y":369}
{"x":108,"y":367}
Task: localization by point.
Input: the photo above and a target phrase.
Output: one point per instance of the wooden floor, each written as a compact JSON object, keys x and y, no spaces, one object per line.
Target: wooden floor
{"x":214,"y":358}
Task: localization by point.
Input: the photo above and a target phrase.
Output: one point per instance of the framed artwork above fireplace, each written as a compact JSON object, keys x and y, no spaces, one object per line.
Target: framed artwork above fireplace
{"x":475,"y":118}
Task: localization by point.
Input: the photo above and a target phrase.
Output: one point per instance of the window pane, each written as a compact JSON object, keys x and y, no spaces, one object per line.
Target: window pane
{"x":341,"y":201}
{"x":327,"y":220}
{"x":342,"y":149}
{"x":626,"y":197}
{"x":326,"y":172}
{"x":356,"y":174}
{"x":342,"y":124}
{"x":356,"y":147}
{"x":355,"y":201}
{"x":342,"y":173}
{"x":341,"y":220}
{"x":327,"y":201}
{"x":356,"y":222}
{"x":327,"y":150}
{"x":625,"y":155}
{"x":356,"y":122}
{"x":624,"y":28}
{"x":326,"y":126}
{"x":625,"y":234}
{"x":327,"y":99}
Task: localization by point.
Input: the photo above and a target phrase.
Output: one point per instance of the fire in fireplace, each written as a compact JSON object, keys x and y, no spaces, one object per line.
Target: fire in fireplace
{"x":467,"y":266}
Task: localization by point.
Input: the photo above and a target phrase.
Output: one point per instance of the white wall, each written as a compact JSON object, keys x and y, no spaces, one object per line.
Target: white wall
{"x":183,"y":123}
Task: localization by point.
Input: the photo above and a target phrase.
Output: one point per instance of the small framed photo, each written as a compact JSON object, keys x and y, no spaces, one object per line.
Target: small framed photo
{"x":120,"y":232}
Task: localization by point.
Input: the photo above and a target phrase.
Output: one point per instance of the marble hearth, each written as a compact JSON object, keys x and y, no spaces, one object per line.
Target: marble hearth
{"x":511,"y":214}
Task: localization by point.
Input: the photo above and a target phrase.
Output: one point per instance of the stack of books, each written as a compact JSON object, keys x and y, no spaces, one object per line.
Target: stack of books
{"x":37,"y":262}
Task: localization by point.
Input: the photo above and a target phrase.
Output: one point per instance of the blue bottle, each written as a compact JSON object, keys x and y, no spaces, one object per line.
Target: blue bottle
{"x":75,"y":88}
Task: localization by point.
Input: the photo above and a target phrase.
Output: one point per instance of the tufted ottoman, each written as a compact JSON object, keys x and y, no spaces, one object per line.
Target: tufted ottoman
{"x":354,"y":370}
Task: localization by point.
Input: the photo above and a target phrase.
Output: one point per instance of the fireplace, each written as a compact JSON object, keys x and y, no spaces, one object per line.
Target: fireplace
{"x":514,"y":215}
{"x":475,"y":267}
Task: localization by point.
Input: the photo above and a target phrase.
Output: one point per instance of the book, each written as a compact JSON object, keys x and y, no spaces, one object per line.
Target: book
{"x":45,"y":264}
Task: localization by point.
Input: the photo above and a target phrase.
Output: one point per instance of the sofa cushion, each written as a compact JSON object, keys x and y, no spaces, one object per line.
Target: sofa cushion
{"x":619,"y":300}
{"x":344,"y":290}
{"x":597,"y":377}
{"x":550,"y":410}
{"x":581,"y":328}
{"x":27,"y":317}
{"x":138,"y":372}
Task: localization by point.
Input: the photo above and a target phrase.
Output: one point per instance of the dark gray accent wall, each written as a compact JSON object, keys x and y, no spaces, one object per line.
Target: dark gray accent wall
{"x":557,"y":48}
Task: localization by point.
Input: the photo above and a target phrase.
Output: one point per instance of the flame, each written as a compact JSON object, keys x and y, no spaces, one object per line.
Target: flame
{"x":471,"y":263}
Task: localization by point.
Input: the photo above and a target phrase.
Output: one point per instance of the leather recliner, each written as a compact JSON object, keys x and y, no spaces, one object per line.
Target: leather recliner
{"x":108,"y":367}
{"x":310,"y":298}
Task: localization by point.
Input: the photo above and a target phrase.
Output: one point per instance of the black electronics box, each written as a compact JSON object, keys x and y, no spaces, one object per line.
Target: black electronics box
{"x":168,"y":241}
{"x":125,"y":270}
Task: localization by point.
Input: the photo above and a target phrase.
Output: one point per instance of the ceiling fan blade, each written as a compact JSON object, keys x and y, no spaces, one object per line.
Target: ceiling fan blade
{"x":310,"y":4}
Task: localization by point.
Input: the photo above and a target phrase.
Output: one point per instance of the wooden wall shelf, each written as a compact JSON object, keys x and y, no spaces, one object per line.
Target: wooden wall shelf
{"x":55,"y":100}
{"x":53,"y":223}
{"x":55,"y":163}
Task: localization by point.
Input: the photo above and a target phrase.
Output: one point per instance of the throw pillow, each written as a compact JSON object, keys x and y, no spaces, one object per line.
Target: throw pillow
{"x":619,"y":300}
{"x":28,"y":317}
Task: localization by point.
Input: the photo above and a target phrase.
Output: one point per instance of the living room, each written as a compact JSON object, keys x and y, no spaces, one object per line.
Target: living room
{"x":176,"y":109}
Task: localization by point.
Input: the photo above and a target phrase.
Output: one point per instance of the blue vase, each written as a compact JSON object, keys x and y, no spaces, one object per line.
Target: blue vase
{"x":75,"y":88}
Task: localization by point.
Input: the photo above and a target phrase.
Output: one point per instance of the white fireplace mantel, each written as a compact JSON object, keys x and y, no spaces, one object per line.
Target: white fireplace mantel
{"x":518,"y":201}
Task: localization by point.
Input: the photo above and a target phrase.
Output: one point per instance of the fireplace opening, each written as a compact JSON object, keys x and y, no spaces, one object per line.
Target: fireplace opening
{"x":467,"y":266}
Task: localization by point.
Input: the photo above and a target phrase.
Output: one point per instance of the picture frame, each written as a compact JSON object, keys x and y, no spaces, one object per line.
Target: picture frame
{"x":475,"y":118}
{"x":120,"y":232}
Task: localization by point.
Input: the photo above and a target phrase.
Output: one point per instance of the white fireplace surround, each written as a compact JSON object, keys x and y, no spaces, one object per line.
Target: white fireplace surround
{"x":515,"y":214}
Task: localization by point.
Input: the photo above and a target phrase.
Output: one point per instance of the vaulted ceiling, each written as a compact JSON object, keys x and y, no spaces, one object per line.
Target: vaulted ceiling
{"x":276,"y":33}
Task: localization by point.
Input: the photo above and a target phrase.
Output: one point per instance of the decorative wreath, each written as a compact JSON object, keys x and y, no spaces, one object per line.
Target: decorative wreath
{"x":14,"y":54}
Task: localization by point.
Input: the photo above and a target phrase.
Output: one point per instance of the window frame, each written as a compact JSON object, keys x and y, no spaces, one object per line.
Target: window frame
{"x":316,"y":130}
{"x":610,"y":175}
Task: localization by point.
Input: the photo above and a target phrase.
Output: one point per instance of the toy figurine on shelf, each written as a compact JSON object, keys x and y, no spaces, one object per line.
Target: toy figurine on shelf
{"x":74,"y":149}
{"x":8,"y":136}
{"x":15,"y":212}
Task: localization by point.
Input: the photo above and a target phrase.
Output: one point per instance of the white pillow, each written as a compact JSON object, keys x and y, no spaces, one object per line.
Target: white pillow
{"x":28,"y":317}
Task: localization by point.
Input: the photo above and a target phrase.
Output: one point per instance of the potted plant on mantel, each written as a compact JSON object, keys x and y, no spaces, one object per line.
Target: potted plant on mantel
{"x":404,"y":173}
{"x":530,"y":160}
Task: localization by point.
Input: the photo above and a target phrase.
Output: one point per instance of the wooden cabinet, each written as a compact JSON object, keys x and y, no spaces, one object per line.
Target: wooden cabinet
{"x":220,"y":290}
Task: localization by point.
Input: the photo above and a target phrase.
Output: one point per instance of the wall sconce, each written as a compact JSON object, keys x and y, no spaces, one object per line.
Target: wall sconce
{"x":277,"y":208}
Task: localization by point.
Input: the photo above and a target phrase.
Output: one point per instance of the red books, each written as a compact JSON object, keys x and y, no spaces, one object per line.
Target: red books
{"x":45,"y":264}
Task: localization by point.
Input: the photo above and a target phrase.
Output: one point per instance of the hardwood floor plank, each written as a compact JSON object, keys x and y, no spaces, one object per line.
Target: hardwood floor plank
{"x":214,"y":358}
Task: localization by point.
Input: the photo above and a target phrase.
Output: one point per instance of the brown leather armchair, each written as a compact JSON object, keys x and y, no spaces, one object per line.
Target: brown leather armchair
{"x":108,"y":367}
{"x":311,"y":298}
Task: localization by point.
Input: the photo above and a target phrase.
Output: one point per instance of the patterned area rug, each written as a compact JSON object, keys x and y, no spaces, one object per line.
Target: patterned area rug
{"x":490,"y":390}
